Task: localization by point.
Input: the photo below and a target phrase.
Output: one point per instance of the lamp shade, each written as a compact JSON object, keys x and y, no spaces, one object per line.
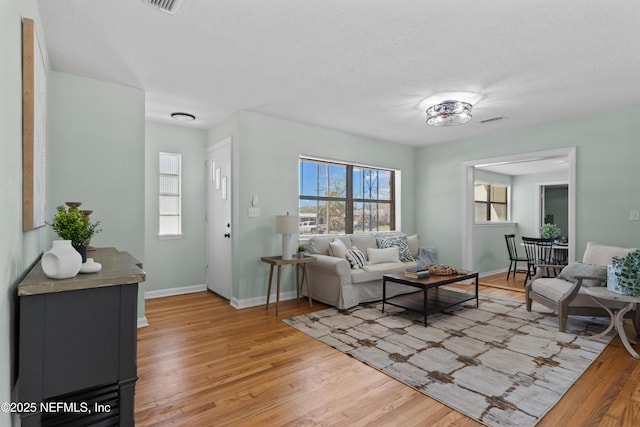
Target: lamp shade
{"x":286,"y":224}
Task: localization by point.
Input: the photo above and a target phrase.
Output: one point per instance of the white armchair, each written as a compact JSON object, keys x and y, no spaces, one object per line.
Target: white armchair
{"x":565,"y":293}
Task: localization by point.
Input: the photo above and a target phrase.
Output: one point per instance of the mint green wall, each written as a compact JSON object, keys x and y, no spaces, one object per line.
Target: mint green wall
{"x":490,"y":251}
{"x":18,"y":250}
{"x":606,"y":172}
{"x":266,"y":152}
{"x":171,"y":263}
{"x":525,"y":200}
{"x":556,"y":204}
{"x":97,"y":157}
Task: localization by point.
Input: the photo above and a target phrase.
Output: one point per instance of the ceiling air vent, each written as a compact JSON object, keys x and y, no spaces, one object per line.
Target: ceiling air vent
{"x":492,"y":119}
{"x":168,"y":6}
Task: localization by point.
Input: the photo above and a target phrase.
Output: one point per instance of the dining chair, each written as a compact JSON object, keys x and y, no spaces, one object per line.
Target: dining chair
{"x":513,"y":256}
{"x":538,"y":251}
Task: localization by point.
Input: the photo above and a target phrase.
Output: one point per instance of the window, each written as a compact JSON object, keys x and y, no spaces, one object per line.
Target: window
{"x":338,"y":198}
{"x":170,"y":203}
{"x":491,"y":202}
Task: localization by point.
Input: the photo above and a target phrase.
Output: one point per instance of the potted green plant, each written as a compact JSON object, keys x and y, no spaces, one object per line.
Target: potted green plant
{"x":550,"y":231}
{"x":301,"y":249}
{"x":75,"y":225}
{"x":624,"y":274}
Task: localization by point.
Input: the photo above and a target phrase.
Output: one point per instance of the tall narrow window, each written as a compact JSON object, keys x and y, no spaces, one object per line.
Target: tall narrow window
{"x":337,"y":198}
{"x":170,"y":195}
{"x":492,"y":202}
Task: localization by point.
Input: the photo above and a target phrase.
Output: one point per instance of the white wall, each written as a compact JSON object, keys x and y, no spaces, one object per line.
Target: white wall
{"x":174,"y":263}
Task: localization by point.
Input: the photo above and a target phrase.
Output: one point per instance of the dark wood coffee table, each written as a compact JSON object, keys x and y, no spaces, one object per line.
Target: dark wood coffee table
{"x":433,"y":298}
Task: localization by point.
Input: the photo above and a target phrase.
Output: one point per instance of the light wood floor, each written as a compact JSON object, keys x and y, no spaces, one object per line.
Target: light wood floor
{"x":203,"y":363}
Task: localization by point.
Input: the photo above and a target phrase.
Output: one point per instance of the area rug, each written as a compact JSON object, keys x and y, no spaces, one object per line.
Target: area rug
{"x":498,"y":364}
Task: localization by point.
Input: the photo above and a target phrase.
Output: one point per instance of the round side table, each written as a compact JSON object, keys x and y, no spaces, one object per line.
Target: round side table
{"x":617,"y":319}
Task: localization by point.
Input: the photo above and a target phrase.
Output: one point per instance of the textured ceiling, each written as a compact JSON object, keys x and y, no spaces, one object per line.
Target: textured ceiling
{"x":360,"y":66}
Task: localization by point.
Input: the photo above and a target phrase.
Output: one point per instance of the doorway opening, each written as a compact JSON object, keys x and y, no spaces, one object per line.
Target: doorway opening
{"x":517,"y":162}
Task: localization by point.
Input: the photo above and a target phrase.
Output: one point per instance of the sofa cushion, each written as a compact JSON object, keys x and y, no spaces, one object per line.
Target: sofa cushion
{"x":581,"y":269}
{"x":379,"y":256}
{"x":338,"y":249}
{"x":373,"y":272}
{"x":364,"y":241}
{"x":399,"y":241}
{"x":320,"y":244}
{"x":599,"y":254}
{"x":552,"y":288}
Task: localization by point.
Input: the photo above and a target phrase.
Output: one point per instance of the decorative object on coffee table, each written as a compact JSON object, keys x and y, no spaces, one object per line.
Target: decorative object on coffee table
{"x":442,"y":270}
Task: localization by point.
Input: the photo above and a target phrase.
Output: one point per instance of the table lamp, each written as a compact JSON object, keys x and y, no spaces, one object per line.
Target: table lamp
{"x":287,"y":225}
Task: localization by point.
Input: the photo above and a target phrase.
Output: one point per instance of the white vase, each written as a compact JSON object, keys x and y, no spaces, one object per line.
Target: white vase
{"x":61,"y":261}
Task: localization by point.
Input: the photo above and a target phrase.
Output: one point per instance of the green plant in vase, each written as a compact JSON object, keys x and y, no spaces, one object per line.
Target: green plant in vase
{"x":627,"y":272}
{"x":550,"y":231}
{"x":301,"y":249}
{"x":76,"y":226}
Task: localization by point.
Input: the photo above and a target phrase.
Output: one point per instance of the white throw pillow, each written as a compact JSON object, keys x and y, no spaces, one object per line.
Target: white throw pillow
{"x":378,"y":256}
{"x":337,"y":248}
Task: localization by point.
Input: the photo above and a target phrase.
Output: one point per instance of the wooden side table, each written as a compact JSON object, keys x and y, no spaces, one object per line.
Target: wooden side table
{"x":617,"y":318}
{"x":274,"y":261}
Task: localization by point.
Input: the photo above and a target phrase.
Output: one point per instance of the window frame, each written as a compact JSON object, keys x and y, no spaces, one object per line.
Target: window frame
{"x":489,"y":203}
{"x":163,"y":234}
{"x":349,"y":199}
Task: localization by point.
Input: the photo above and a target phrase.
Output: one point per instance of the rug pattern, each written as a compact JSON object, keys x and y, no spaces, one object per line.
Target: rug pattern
{"x":498,"y":364}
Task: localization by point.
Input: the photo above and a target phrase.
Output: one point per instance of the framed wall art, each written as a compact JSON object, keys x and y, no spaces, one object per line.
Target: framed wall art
{"x":34,"y":115}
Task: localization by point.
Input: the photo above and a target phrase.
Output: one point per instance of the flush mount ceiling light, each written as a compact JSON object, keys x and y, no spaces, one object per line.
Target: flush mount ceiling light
{"x":183,"y":117}
{"x":449,"y":113}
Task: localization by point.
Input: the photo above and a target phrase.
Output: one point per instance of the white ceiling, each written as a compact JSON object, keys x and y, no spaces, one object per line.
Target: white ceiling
{"x":360,"y":66}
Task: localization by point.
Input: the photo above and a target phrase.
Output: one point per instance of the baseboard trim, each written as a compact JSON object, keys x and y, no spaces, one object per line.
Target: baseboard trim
{"x":161,"y":293}
{"x":254,"y":302}
{"x":143,"y":322}
{"x":490,"y":273}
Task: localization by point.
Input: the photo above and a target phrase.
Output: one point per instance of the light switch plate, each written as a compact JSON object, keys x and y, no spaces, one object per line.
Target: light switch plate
{"x":634,"y":215}
{"x":254,"y":212}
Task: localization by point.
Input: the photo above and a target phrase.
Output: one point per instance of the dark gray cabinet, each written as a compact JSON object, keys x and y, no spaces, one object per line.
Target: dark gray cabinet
{"x":77,"y":350}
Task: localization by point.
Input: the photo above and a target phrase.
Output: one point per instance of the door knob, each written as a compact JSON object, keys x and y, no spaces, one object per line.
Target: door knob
{"x":227,"y":235}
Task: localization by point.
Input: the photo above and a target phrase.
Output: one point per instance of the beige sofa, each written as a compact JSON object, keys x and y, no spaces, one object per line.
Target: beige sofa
{"x":334,"y":281}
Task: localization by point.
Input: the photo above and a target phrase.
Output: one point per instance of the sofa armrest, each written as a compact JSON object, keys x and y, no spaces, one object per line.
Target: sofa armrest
{"x":326,"y":264}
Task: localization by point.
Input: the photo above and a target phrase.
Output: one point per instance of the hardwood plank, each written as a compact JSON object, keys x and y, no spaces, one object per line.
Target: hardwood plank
{"x":202,"y":362}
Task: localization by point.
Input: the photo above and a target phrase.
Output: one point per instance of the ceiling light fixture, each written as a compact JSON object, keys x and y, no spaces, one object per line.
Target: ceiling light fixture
{"x":449,"y":113}
{"x":183,"y":117}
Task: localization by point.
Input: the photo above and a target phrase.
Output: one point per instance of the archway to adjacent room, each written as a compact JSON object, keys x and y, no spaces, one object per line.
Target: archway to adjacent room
{"x":468,"y":204}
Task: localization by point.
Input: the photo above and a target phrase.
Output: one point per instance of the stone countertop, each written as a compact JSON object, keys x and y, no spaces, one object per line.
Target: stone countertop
{"x":118,"y":268}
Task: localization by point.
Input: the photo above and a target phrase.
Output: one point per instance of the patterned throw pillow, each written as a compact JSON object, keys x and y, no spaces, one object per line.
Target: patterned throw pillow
{"x":356,"y":258}
{"x":581,"y":269}
{"x":399,"y":241}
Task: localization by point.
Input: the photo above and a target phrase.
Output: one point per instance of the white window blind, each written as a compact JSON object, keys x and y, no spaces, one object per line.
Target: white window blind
{"x":170,"y":208}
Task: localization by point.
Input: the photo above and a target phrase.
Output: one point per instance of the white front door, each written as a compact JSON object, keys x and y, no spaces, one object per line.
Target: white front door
{"x":219,"y":247}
